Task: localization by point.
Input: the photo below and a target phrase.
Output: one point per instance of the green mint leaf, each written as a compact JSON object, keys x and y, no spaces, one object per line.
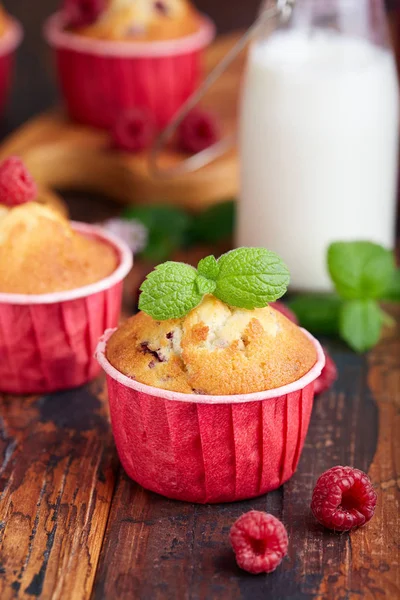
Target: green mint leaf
{"x":251,"y":277}
{"x":170,"y":291}
{"x":168,"y":227}
{"x":209,"y":267}
{"x":204,"y":285}
{"x":360,"y":269}
{"x":215,"y":224}
{"x":361,"y":324}
{"x":319,"y":313}
{"x":392,"y":293}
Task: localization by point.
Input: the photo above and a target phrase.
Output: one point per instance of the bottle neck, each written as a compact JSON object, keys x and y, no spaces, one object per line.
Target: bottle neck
{"x":359,"y":18}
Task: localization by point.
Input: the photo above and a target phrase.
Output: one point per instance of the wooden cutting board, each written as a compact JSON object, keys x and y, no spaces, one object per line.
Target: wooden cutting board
{"x":65,"y":155}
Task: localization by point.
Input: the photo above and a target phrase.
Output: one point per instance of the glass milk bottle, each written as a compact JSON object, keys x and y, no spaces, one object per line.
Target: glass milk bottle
{"x":319,"y":135}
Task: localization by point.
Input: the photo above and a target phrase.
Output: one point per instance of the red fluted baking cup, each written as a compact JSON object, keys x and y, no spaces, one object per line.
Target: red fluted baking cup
{"x":47,"y":341}
{"x":102,"y":78}
{"x":8,"y":44}
{"x":209,"y":448}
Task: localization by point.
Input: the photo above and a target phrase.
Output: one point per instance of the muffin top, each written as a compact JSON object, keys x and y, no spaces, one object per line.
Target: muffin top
{"x":40,"y":253}
{"x":132,"y":20}
{"x":216,"y":349}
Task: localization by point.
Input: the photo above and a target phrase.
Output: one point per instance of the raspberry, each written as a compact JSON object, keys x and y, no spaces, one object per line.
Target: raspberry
{"x":133,"y":131}
{"x":81,"y":13}
{"x":343,"y":499}
{"x":198,"y":131}
{"x":259,"y":541}
{"x":328,"y":376}
{"x":282,"y":308}
{"x":16,"y":184}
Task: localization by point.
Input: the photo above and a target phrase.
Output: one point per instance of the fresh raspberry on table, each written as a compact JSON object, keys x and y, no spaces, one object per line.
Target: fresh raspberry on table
{"x":133,"y":131}
{"x":81,"y":13}
{"x":343,"y":499}
{"x":259,"y":541}
{"x":17,"y":186}
{"x":282,"y":308}
{"x":198,"y":131}
{"x":328,"y":376}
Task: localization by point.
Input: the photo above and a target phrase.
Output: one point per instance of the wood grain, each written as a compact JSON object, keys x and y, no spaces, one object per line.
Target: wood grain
{"x":65,"y":155}
{"x":57,"y":480}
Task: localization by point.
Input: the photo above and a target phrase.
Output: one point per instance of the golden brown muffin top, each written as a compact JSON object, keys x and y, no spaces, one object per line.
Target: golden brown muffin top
{"x":216,"y":349}
{"x":143,"y":20}
{"x":40,"y":253}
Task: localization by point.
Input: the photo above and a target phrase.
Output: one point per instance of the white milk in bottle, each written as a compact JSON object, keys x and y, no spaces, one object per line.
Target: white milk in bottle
{"x":318,"y":144}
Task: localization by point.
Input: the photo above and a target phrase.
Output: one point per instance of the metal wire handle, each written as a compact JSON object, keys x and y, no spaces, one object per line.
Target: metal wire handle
{"x":282,"y":8}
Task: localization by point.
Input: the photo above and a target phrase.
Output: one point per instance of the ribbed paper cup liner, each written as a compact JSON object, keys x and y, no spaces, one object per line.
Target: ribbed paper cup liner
{"x":8,"y":44}
{"x":47,"y":341}
{"x":102,"y":79}
{"x":209,"y":449}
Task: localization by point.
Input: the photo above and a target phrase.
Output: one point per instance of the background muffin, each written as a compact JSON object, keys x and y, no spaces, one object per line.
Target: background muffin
{"x":216,"y":349}
{"x":40,"y":253}
{"x":131,"y":54}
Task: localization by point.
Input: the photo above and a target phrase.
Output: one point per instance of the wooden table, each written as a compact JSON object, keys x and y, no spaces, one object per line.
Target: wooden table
{"x":73,"y":526}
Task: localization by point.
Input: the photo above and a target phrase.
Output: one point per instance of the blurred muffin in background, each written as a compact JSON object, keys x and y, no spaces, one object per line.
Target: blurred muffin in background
{"x":133,"y":54}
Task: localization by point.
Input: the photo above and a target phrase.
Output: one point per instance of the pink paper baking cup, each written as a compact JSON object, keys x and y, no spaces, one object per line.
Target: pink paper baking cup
{"x":209,"y":449}
{"x":102,"y":79}
{"x":8,"y":44}
{"x":47,"y":341}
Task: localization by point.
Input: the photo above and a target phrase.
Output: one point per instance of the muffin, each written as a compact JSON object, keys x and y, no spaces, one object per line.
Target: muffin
{"x":59,"y":283}
{"x":214,"y":405}
{"x":125,"y":52}
{"x":10,"y":39}
{"x":45,"y":255}
{"x":216,"y":349}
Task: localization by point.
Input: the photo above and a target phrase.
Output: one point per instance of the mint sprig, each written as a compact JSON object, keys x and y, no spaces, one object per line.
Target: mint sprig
{"x":360,"y":270}
{"x":245,"y":278}
{"x":364,"y":274}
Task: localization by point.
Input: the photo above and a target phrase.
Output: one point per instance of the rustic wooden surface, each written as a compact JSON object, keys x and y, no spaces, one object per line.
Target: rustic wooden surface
{"x":73,"y":526}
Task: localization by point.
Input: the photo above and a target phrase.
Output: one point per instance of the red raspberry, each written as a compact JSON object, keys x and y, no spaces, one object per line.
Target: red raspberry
{"x":259,"y":541}
{"x":81,"y":13}
{"x":198,"y":131}
{"x":343,"y":499}
{"x":328,"y":376}
{"x":282,"y":308}
{"x":133,"y":131}
{"x":16,"y":183}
